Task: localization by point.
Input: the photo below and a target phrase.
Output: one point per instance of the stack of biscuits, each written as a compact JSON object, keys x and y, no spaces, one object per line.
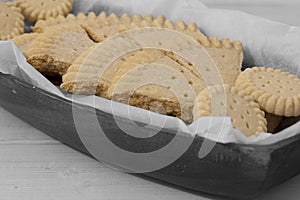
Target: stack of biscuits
{"x":120,"y":58}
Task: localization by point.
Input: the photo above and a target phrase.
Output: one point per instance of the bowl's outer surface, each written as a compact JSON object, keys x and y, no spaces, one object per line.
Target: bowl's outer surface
{"x":228,"y":171}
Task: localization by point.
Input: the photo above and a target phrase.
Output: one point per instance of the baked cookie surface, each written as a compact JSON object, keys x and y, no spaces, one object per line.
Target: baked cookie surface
{"x":24,"y":41}
{"x":277,"y":92}
{"x":11,"y":21}
{"x":222,"y":101}
{"x":54,"y":51}
{"x":227,"y":55}
{"x":34,"y":10}
{"x":42,"y":25}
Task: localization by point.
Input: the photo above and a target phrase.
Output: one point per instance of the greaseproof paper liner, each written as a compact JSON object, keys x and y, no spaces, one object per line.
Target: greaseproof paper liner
{"x":266,"y":43}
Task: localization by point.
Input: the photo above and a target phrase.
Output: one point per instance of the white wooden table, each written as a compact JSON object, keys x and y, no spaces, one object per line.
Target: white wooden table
{"x":34,"y":166}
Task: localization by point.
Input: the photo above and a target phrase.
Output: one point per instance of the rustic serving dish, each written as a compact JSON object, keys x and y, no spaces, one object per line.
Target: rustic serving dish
{"x":228,"y":171}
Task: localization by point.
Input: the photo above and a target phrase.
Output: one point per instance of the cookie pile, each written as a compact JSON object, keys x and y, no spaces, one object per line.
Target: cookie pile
{"x":11,"y":21}
{"x":12,"y":14}
{"x":91,"y":57}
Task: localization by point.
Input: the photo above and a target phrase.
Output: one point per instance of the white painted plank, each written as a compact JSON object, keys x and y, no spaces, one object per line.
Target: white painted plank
{"x":14,"y":129}
{"x":57,"y":172}
{"x":34,"y":172}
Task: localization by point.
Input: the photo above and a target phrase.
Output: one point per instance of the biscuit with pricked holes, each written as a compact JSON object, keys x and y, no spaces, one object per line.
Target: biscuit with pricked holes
{"x":148,"y":56}
{"x":140,"y":87}
{"x":43,"y":25}
{"x":227,"y":56}
{"x":277,"y":92}
{"x":149,"y":97}
{"x":222,"y":101}
{"x":144,"y":98}
{"x":11,"y":21}
{"x":24,"y":41}
{"x":34,"y":10}
{"x":83,"y":83}
{"x":54,"y":51}
{"x":86,"y":68}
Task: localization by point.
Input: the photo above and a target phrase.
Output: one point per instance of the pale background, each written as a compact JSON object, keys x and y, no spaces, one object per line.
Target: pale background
{"x":34,"y":166}
{"x":287,"y":11}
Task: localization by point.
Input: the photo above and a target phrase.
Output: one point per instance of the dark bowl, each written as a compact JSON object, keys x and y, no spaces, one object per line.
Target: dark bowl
{"x":232,"y":171}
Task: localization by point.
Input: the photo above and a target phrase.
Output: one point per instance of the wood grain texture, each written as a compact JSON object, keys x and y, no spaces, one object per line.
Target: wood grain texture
{"x":34,"y":166}
{"x":32,"y":169}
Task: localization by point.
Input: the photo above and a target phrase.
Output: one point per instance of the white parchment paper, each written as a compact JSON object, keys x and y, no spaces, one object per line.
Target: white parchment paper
{"x":266,"y":43}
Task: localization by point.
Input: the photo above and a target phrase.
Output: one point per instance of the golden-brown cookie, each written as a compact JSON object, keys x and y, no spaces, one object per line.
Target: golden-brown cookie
{"x":227,"y":56}
{"x":147,"y":56}
{"x":55,"y":50}
{"x":156,"y":82}
{"x":86,"y":69}
{"x":155,"y":97}
{"x":11,"y":21}
{"x":277,"y":92}
{"x":24,"y":41}
{"x":34,"y":10}
{"x":149,"y":97}
{"x":106,"y":64}
{"x":222,"y":101}
{"x":81,"y":79}
{"x":43,"y":25}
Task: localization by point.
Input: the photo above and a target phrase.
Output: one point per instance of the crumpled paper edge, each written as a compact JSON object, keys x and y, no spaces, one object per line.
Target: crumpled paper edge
{"x":272,"y":45}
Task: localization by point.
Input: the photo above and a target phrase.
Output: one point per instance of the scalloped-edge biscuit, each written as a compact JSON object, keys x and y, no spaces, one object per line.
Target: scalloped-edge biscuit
{"x":42,"y":25}
{"x":80,"y":79}
{"x":11,"y":21}
{"x":24,"y":41}
{"x":142,"y":83}
{"x":277,"y":92}
{"x":273,"y":122}
{"x":227,"y":55}
{"x":80,"y":73}
{"x":150,"y":97}
{"x":83,"y":83}
{"x":147,"y":56}
{"x":224,"y":101}
{"x":54,"y":51}
{"x":34,"y":10}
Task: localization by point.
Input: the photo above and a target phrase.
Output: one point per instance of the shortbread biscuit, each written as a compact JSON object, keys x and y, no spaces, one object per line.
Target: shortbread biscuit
{"x":222,"y":101}
{"x":34,"y":10}
{"x":277,"y":92}
{"x":80,"y":79}
{"x":11,"y":21}
{"x":157,"y":98}
{"x":227,"y":56}
{"x":149,"y":97}
{"x":140,"y":87}
{"x":85,"y":71}
{"x":42,"y":25}
{"x":24,"y":41}
{"x":273,"y":122}
{"x":148,"y":56}
{"x":55,"y":50}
